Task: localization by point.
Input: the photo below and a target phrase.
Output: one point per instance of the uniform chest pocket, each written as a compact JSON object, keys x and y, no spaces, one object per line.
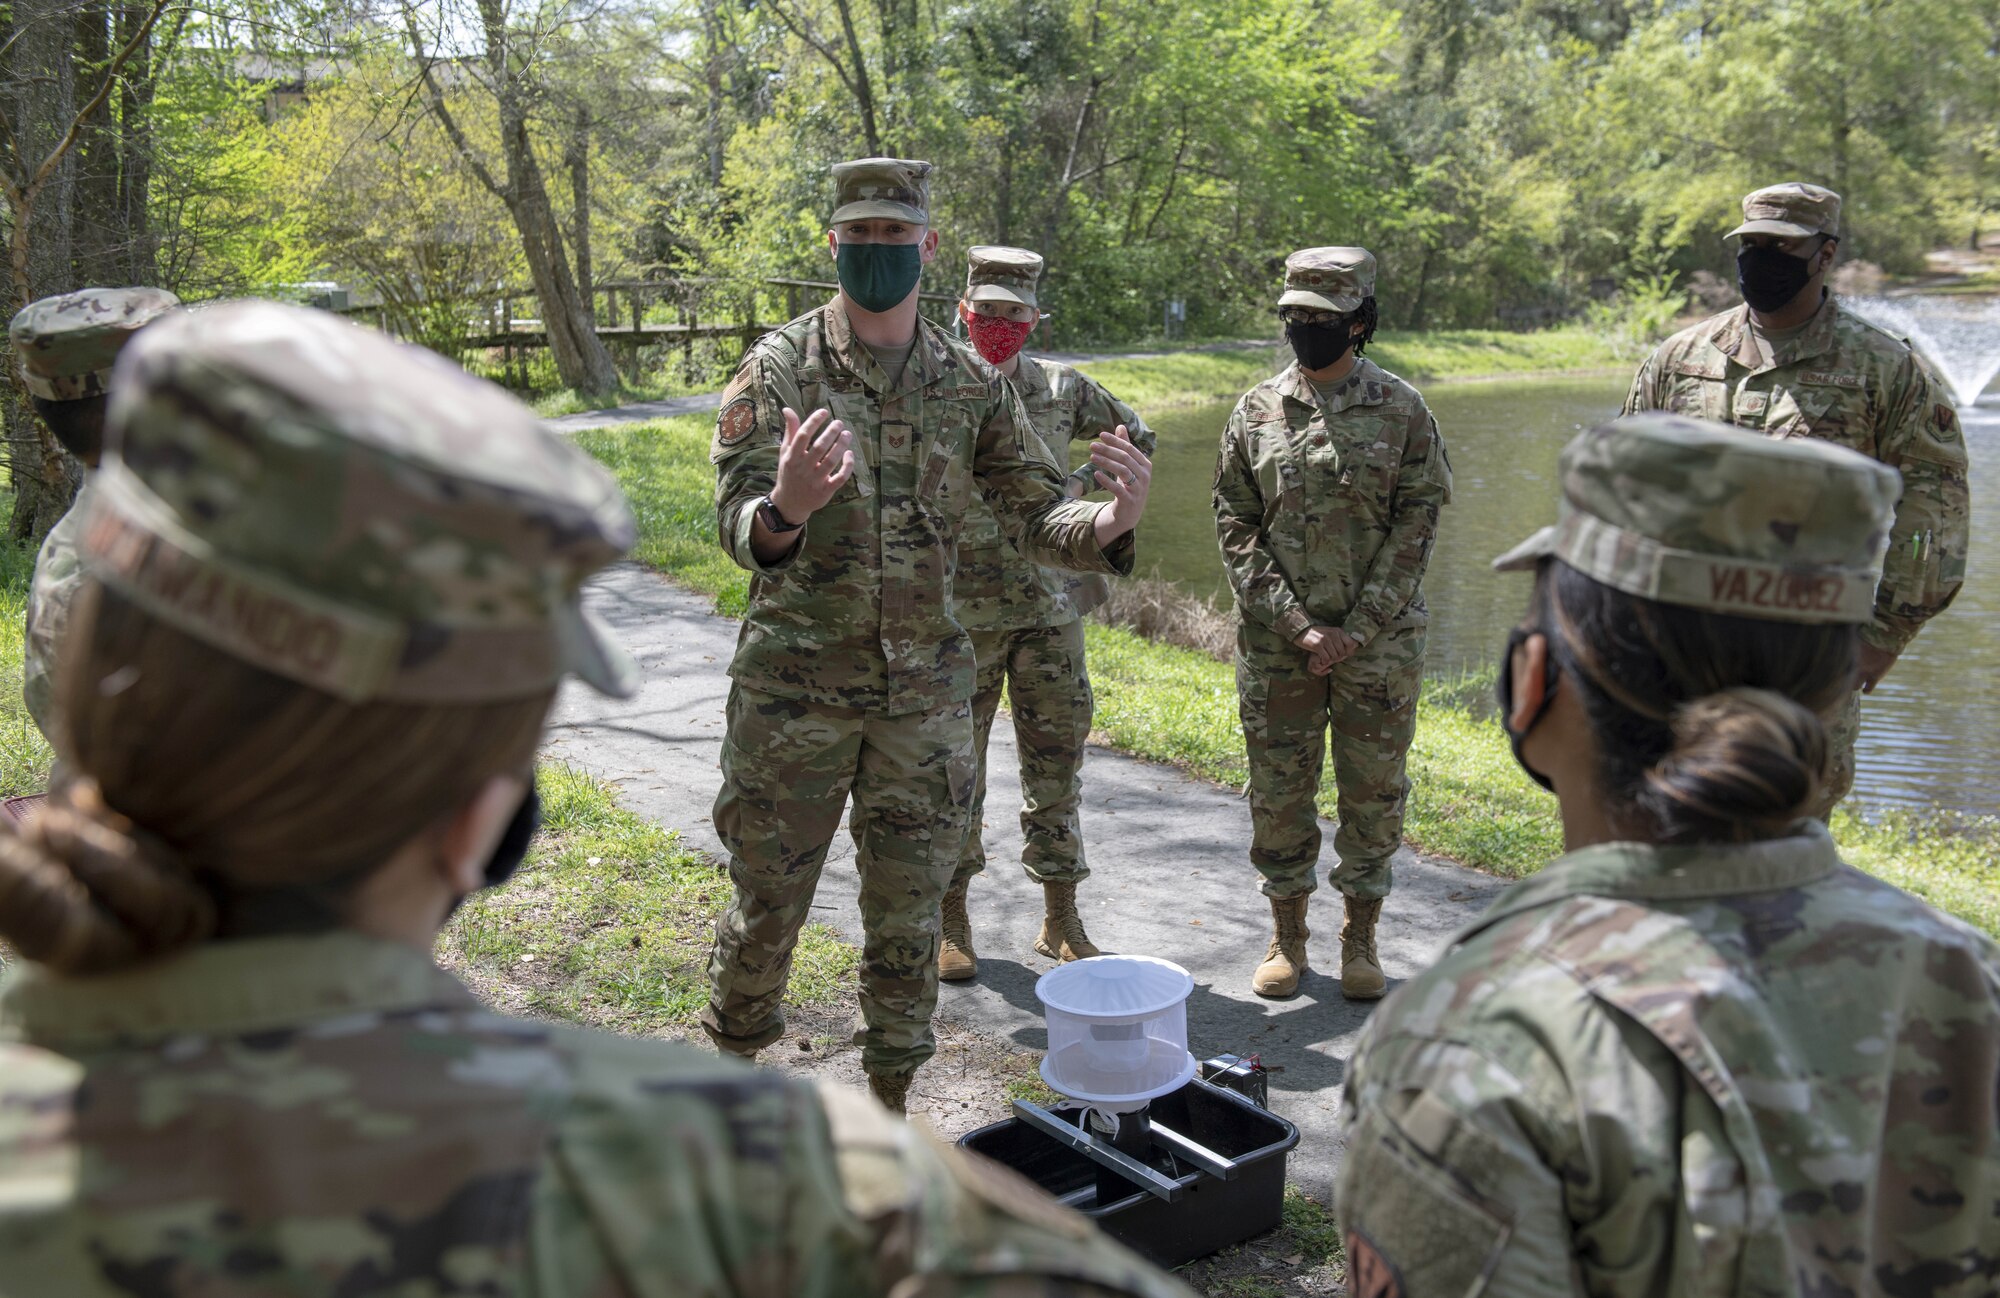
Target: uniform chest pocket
{"x":1356,"y":462}
{"x":1693,"y":392}
{"x":1371,"y":474}
{"x":1057,"y":422}
{"x":849,"y":404}
{"x":1279,"y":467}
{"x":1827,"y":414}
{"x":938,"y":488}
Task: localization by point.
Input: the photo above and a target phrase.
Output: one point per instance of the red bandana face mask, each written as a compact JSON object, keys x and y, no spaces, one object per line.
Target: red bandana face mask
{"x":994,"y":338}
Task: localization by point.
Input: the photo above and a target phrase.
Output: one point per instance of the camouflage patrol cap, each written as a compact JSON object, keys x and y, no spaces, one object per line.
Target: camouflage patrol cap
{"x":350,"y":512}
{"x":995,"y":274}
{"x":1699,"y":514}
{"x":1329,"y":279}
{"x":67,"y":344}
{"x":895,"y":189}
{"x":1791,"y":210}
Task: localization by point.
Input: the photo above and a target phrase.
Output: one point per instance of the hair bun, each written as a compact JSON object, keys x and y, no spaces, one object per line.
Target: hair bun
{"x":83,"y":891}
{"x":1745,"y":764}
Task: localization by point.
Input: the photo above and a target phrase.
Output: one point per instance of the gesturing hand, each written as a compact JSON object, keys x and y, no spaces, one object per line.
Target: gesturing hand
{"x":1124,"y":470}
{"x":1873,"y":665}
{"x":815,"y":459}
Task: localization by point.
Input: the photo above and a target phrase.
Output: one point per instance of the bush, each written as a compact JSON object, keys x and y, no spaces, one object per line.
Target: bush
{"x":1641,"y":313}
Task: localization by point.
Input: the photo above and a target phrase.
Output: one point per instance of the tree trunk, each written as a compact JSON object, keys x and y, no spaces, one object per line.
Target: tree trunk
{"x":579,"y":188}
{"x":135,"y":178}
{"x":582,"y":360}
{"x":99,"y":245}
{"x":43,"y":88}
{"x":711,"y":24}
{"x":864,"y":90}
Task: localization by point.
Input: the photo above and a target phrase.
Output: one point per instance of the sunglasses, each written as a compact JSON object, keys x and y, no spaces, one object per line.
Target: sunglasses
{"x":1298,"y":315}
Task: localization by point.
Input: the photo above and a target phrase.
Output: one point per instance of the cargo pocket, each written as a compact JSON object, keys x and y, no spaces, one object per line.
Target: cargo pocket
{"x":954,"y":820}
{"x":1253,"y":702}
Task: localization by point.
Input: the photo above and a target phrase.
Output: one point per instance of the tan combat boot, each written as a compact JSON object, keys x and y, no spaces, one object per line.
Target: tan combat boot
{"x":957,"y":961}
{"x":1285,"y":961}
{"x":892,"y":1090}
{"x":1360,"y":972}
{"x":1062,"y":936}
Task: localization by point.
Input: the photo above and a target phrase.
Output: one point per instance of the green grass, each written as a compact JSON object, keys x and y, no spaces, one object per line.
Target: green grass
{"x":568,"y":401}
{"x":609,"y":921}
{"x":1470,"y":802}
{"x":1480,"y":353}
{"x":1302,"y":1256}
{"x":1192,"y":378}
{"x":664,"y":468}
{"x":24,"y":754}
{"x":1188,"y":378}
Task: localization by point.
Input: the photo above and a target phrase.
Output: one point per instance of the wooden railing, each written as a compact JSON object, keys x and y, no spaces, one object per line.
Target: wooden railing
{"x":629,"y":314}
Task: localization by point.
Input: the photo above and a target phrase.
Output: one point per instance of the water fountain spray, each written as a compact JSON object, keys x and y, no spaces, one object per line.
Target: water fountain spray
{"x":1959,"y":336}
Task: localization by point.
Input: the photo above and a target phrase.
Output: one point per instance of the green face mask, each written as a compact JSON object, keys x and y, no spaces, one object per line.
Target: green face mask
{"x":879,"y":275}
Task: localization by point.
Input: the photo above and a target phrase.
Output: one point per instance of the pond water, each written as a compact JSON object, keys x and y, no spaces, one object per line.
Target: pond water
{"x":1928,"y":732}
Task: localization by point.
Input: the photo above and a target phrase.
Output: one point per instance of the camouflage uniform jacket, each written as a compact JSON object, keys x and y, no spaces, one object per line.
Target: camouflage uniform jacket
{"x":994,"y":586}
{"x":333,"y":1114}
{"x":859,"y":613}
{"x":1842,"y":380}
{"x":1326,"y":516}
{"x":1747,"y":1071}
{"x":58,"y":574}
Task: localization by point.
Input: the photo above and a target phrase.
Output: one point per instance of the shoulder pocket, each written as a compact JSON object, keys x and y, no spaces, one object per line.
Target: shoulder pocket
{"x":1939,"y":439}
{"x":1412,"y":1230}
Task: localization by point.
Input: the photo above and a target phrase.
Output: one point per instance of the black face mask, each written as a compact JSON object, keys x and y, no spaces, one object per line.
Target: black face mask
{"x":1318,"y":346}
{"x":512,"y":849}
{"x":1770,"y":277}
{"x":1516,"y":739}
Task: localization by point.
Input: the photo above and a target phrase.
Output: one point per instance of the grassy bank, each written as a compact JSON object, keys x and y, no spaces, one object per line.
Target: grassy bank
{"x":609,"y":921}
{"x":1191,"y":377}
{"x":1175,"y":705}
{"x":1194,"y":377}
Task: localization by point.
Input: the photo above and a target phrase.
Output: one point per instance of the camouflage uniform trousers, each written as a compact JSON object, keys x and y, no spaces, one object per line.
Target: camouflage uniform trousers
{"x":1048,"y":688}
{"x":1370,"y":703}
{"x":789,"y":767}
{"x":1843,"y":729}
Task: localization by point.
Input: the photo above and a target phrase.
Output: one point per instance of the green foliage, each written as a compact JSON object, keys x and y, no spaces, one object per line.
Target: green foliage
{"x":226,"y":209}
{"x":385,"y":205}
{"x":1643,"y":312}
{"x":609,"y":921}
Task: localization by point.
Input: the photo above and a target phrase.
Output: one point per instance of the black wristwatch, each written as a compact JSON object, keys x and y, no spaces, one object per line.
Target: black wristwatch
{"x":767,"y":510}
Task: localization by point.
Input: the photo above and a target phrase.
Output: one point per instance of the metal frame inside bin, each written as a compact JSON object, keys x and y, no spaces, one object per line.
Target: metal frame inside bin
{"x":1157,"y":1184}
{"x":1156,"y":1189}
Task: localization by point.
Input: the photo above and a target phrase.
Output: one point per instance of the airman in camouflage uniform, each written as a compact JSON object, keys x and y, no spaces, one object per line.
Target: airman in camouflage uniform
{"x":1026,"y":624}
{"x":1832,"y":376}
{"x":66,"y":346}
{"x":327,"y":1112}
{"x":851,"y":677}
{"x":1738,"y":1069}
{"x":1327,"y":493}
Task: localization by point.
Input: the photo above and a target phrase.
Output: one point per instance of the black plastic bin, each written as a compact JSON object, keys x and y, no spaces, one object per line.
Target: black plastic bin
{"x":1211,"y":1213}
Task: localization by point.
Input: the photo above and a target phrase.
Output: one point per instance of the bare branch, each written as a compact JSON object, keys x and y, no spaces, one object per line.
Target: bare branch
{"x":504,"y":193}
{"x":798,"y":29}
